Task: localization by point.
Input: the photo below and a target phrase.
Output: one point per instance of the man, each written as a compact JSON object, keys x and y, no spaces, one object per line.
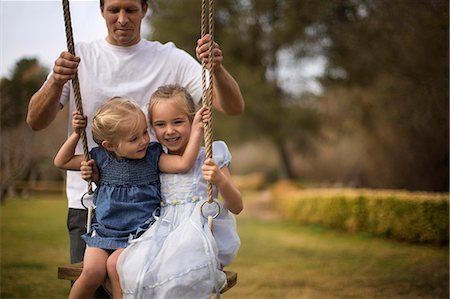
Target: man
{"x":123,"y":64}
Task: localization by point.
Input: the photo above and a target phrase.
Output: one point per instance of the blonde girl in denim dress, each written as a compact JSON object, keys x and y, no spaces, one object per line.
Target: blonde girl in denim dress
{"x":178,"y":257}
{"x":128,"y":185}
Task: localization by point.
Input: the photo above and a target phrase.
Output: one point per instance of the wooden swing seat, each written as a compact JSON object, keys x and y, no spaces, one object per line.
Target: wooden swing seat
{"x":73,"y":271}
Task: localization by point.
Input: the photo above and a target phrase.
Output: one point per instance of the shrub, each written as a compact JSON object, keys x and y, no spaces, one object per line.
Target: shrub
{"x":420,"y":217}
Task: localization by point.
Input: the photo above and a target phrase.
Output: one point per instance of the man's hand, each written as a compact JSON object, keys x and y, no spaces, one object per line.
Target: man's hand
{"x":202,"y":51}
{"x":65,"y":67}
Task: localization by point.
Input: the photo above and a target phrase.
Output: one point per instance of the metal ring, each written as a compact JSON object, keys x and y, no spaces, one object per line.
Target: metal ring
{"x":218,"y":209}
{"x":82,"y":197}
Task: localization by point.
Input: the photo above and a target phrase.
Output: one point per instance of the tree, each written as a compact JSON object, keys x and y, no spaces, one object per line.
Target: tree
{"x":385,"y":81}
{"x":27,"y":77}
{"x":16,"y":150}
{"x":252,"y":34}
{"x":392,"y":56}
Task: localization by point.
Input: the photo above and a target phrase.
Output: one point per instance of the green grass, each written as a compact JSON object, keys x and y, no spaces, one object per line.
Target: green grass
{"x":279,"y":260}
{"x":34,"y":241}
{"x":276,"y":259}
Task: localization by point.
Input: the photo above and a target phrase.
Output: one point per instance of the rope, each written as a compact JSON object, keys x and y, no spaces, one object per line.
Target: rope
{"x":207,"y":95}
{"x":75,"y":83}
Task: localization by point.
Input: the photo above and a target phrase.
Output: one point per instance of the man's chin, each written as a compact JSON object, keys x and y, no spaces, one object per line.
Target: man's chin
{"x":124,"y":40}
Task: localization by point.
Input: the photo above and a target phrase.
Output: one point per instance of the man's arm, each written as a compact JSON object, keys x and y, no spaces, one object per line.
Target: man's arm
{"x":227,"y":94}
{"x":44,"y":104}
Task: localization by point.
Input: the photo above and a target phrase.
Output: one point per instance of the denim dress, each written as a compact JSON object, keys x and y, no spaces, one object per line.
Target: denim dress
{"x":127,"y":194}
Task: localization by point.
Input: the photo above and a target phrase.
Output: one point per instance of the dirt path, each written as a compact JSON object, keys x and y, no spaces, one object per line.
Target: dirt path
{"x":258,"y":206}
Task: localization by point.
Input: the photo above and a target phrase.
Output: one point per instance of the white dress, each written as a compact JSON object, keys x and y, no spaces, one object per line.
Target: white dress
{"x":178,"y":257}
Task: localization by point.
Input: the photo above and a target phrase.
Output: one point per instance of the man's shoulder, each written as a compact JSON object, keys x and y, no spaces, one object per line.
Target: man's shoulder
{"x":87,"y":45}
{"x":158,"y":46}
{"x":156,"y":43}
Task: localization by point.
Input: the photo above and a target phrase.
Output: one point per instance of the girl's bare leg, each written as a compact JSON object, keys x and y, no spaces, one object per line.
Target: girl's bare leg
{"x":113,"y":275}
{"x":93,"y":274}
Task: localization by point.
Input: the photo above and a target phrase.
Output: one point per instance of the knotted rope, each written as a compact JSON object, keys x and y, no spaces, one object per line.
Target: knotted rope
{"x":75,"y":83}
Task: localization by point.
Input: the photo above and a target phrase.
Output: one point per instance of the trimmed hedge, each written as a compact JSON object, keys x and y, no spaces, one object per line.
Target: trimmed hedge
{"x":420,"y":217}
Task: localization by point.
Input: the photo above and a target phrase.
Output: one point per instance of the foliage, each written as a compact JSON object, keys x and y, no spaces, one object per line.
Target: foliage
{"x":387,"y":77}
{"x":15,"y":93}
{"x":408,"y":216}
{"x":385,"y":82}
{"x":16,"y":160}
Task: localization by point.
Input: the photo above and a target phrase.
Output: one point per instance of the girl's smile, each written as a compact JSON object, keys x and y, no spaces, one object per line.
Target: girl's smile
{"x":172,"y":140}
{"x":172,"y":126}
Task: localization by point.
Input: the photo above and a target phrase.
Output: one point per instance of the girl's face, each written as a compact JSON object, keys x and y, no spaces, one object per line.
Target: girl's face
{"x":172,"y":126}
{"x":132,"y":142}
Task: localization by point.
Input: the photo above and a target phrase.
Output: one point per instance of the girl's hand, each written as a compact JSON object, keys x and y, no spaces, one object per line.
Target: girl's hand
{"x":221,"y":177}
{"x":78,"y":122}
{"x":89,"y":171}
{"x":202,"y":117}
{"x":211,"y":172}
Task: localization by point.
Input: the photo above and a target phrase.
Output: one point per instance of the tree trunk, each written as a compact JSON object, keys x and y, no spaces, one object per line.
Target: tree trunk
{"x":286,"y":170}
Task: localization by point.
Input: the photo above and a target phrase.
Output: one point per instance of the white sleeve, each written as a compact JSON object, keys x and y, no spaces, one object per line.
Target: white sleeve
{"x":221,"y":154}
{"x":190,"y":72}
{"x":65,"y":95}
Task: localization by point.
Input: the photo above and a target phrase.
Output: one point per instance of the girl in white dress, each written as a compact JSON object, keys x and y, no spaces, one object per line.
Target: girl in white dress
{"x":178,"y":256}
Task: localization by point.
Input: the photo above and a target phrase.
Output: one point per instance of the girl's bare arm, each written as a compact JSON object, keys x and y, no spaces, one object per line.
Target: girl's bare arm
{"x":222,"y":179}
{"x":66,"y":158}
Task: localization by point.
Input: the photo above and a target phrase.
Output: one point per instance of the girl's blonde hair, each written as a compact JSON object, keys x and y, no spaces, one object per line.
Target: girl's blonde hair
{"x":169,"y":92}
{"x":110,"y":118}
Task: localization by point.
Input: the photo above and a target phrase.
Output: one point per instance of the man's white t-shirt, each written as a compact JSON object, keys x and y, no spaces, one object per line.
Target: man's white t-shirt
{"x":135,"y":72}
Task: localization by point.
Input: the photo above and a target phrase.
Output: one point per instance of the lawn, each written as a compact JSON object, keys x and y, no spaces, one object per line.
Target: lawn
{"x":33,"y":243}
{"x":276,"y":259}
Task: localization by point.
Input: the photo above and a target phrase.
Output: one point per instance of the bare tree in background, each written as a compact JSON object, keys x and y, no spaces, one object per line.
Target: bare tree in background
{"x":17,"y":154}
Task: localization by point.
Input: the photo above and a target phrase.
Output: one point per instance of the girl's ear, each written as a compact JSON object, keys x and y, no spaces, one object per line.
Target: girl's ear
{"x":108,"y":146}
